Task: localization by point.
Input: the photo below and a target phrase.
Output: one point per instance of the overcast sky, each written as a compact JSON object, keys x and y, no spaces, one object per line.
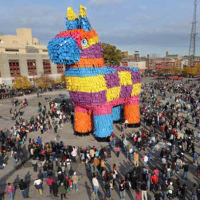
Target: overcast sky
{"x":149,"y":26}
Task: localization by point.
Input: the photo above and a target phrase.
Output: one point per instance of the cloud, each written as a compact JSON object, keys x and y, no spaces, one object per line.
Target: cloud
{"x":43,"y":20}
{"x":127,"y":24}
{"x":149,"y":38}
{"x":142,"y":7}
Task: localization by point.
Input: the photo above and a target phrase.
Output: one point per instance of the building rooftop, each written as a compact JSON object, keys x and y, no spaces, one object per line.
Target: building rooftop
{"x":172,"y":55}
{"x":22,"y":42}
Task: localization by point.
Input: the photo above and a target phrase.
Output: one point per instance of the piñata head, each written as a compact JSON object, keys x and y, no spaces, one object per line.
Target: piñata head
{"x":78,"y":43}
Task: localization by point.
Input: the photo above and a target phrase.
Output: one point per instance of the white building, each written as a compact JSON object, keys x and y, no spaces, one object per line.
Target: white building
{"x":141,"y":65}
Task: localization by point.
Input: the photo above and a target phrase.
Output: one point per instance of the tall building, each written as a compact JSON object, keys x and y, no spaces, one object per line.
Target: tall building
{"x":21,"y":54}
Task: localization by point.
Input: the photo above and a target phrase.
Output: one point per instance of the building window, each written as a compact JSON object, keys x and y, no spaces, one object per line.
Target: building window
{"x":14,"y":68}
{"x":60,"y":69}
{"x":31,"y":67}
{"x":47,"y":66}
{"x":12,"y":50}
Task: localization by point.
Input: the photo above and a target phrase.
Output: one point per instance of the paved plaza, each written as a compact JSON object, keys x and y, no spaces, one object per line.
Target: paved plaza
{"x":13,"y":175}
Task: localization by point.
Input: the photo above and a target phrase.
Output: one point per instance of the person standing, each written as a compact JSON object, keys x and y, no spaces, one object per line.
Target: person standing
{"x":75,"y":181}
{"x":136,"y":159}
{"x":38,"y":185}
{"x":138,"y":195}
{"x":39,"y":165}
{"x":170,"y":190}
{"x":122,"y":190}
{"x":154,"y":181}
{"x":15,"y":158}
{"x":95,"y":165}
{"x":185,"y":172}
{"x":148,"y":179}
{"x":144,"y":190}
{"x":126,"y":123}
{"x":194,"y":157}
{"x":74,"y":154}
{"x":62,"y":191}
{"x":107,"y":190}
{"x":24,"y":188}
{"x":50,"y":181}
{"x":68,"y":162}
{"x":117,"y":151}
{"x":55,"y":189}
{"x":10,"y":190}
{"x":95,"y":183}
{"x":194,"y":192}
{"x":183,"y":191}
{"x":164,"y":190}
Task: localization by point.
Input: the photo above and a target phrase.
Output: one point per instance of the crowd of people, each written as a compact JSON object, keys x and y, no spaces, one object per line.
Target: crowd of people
{"x":163,"y":154}
{"x":7,"y":91}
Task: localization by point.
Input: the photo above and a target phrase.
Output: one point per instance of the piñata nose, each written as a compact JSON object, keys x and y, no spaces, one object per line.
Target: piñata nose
{"x":64,"y":51}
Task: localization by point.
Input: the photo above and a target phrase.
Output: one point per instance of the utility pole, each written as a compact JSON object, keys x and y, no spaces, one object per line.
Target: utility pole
{"x":193,"y":36}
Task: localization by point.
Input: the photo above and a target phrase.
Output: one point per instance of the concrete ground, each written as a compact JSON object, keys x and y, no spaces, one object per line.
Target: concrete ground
{"x":10,"y":174}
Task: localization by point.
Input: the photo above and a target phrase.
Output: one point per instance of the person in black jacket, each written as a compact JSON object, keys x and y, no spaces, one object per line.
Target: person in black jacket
{"x":164,"y":190}
{"x":183,"y":191}
{"x":144,"y":190}
{"x":107,"y":189}
{"x":185,"y":172}
{"x":55,"y":189}
{"x":24,"y":189}
{"x":133,"y":179}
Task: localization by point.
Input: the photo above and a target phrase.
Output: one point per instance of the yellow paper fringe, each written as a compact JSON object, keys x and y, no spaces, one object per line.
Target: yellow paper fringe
{"x":70,"y":14}
{"x":82,"y":12}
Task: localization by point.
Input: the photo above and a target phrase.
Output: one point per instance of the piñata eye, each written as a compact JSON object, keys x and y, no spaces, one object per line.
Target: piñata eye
{"x":84,"y":42}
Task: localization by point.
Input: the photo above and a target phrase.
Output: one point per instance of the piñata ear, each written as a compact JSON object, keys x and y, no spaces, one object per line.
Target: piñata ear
{"x":83,"y":20}
{"x":72,"y":22}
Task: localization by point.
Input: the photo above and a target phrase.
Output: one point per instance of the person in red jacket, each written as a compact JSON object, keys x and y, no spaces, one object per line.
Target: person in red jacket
{"x":154,"y":181}
{"x":50,"y":181}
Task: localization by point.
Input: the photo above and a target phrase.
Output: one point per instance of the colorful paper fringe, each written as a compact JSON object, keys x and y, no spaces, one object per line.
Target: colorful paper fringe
{"x":116,"y":113}
{"x":132,"y":113}
{"x":95,"y":89}
{"x":83,"y":122}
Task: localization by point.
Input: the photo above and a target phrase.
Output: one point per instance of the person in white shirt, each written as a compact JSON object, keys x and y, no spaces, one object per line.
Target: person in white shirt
{"x":38,"y":185}
{"x":95,"y":183}
{"x":126,"y":123}
{"x":146,"y":161}
{"x":125,"y":142}
{"x":74,"y":154}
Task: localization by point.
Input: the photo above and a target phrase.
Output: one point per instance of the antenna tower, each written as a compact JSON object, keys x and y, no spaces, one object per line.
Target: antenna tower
{"x":193,"y":36}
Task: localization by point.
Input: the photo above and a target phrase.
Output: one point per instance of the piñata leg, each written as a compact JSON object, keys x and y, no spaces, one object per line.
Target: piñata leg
{"x":83,"y":121}
{"x":103,"y":123}
{"x":132,"y":112}
{"x":116,"y":113}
